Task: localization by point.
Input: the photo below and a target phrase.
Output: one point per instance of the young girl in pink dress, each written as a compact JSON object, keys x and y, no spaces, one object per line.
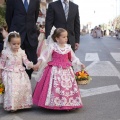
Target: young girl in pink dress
{"x":57,"y":88}
{"x":18,"y":92}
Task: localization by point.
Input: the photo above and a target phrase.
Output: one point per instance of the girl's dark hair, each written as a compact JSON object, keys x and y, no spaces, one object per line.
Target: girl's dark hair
{"x":57,"y":33}
{"x":13,"y":35}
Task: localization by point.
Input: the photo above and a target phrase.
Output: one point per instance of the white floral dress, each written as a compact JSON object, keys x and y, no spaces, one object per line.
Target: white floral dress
{"x":18,"y":92}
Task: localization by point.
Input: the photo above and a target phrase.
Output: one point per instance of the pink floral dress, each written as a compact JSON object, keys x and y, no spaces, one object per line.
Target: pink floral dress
{"x":57,"y":88}
{"x":18,"y":92}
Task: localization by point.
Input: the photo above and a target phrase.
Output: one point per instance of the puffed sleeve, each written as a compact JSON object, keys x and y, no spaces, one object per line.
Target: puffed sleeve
{"x":25,"y":60}
{"x":46,"y":54}
{"x":45,"y":57}
{"x":3,"y":59}
{"x":75,"y":62}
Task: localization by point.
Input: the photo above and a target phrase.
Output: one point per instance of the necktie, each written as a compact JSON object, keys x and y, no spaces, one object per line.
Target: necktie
{"x":66,"y":9}
{"x":26,"y":5}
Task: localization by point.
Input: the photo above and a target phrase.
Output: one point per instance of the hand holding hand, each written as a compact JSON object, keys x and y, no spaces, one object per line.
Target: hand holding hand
{"x":36,"y":66}
{"x":30,"y":65}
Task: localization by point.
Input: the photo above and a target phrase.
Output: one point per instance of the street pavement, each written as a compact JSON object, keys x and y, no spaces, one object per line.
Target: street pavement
{"x":101,"y":97}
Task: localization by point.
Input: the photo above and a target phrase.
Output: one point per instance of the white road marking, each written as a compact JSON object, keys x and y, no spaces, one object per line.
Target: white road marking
{"x":102,"y":68}
{"x":116,"y":56}
{"x":92,"y":57}
{"x":10,"y":117}
{"x":99,"y":90}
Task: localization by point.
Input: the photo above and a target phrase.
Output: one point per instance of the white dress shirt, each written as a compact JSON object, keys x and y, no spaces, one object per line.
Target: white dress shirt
{"x":63,"y":4}
{"x":27,"y":0}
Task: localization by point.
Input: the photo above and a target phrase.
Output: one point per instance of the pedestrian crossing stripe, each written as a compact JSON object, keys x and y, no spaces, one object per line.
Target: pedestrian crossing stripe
{"x":92,"y":57}
{"x":102,"y":68}
{"x":99,"y":90}
{"x":116,"y":56}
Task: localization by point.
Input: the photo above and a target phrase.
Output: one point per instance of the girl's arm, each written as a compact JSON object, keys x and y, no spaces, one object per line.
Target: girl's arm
{"x":77,"y":65}
{"x":44,"y":57}
{"x":2,"y":62}
{"x":3,"y":59}
{"x":46,"y":53}
{"x":26,"y":62}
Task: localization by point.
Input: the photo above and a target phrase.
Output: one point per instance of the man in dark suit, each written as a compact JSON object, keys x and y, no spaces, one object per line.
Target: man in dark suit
{"x":56,"y":16}
{"x":21,"y":16}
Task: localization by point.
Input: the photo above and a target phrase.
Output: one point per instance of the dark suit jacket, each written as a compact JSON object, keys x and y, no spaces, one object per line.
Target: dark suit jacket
{"x":56,"y":17}
{"x":1,"y":42}
{"x":21,"y":21}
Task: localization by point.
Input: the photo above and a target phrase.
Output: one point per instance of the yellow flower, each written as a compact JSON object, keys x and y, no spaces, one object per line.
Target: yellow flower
{"x":79,"y":73}
{"x":79,"y":77}
{"x":83,"y":74}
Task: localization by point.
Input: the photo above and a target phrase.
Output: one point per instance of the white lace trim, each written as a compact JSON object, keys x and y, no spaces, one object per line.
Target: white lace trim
{"x":64,"y":50}
{"x":67,"y":95}
{"x":50,"y":86}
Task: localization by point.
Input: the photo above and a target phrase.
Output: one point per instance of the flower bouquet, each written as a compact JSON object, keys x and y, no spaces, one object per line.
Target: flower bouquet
{"x":82,"y":77}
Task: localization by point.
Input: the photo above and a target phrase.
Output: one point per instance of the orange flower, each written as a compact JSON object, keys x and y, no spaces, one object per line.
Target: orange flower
{"x":83,"y":74}
{"x":1,"y":90}
{"x":79,"y":77}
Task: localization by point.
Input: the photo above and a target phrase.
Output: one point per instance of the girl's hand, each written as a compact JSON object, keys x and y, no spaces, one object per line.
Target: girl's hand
{"x":82,"y":66}
{"x":30,"y":65}
{"x":36,"y":66}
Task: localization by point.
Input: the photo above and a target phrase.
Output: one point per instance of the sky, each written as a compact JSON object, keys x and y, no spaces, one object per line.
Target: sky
{"x":97,"y":11}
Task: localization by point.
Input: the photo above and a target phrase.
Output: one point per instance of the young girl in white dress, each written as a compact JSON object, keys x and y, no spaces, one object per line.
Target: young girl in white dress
{"x":57,"y":88}
{"x":18,"y":92}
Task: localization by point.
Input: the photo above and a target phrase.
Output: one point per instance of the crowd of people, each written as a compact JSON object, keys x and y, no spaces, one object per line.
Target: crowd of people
{"x":97,"y":32}
{"x":54,"y":60}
